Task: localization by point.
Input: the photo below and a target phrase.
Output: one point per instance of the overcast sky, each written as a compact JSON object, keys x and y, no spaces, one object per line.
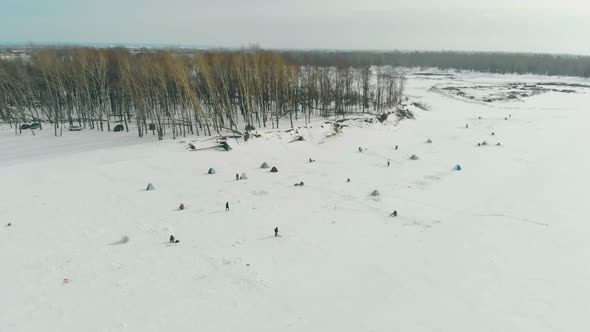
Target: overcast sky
{"x":554,"y":26}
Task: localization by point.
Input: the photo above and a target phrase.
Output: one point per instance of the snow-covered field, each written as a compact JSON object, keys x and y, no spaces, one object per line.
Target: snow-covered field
{"x":502,"y":245}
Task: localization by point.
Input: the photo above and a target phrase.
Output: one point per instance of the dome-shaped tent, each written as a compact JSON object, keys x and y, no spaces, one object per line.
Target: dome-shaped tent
{"x":211,"y":171}
{"x":274,"y":170}
{"x":243,"y":176}
{"x":429,"y":141}
{"x":458,"y":168}
{"x":375,"y":193}
{"x":150,"y":187}
{"x":414,"y":157}
{"x":264,"y":165}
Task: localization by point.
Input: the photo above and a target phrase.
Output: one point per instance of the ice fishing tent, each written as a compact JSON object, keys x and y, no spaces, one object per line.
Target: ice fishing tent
{"x":150,"y":187}
{"x":414,"y":157}
{"x":243,"y":176}
{"x":458,"y":167}
{"x":429,"y":141}
{"x":375,"y":193}
{"x":118,"y":128}
{"x":211,"y":171}
{"x":264,"y":165}
{"x":274,"y":170}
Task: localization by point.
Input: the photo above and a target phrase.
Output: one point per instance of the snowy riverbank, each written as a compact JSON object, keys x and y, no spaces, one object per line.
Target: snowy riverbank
{"x":499,"y":246}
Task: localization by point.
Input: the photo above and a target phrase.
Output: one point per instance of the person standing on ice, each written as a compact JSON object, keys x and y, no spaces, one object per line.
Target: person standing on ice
{"x":226,"y":206}
{"x":388,"y":163}
{"x":237,"y":176}
{"x":276,"y":231}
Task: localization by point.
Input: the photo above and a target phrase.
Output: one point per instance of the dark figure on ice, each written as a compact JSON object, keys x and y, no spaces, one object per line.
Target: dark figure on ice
{"x":388,"y":163}
{"x":493,"y":133}
{"x":276,"y":231}
{"x":191,"y":146}
{"x":480,"y":117}
{"x":396,"y":147}
{"x":237,"y":176}
{"x":394,"y":214}
{"x":348,"y":180}
{"x":505,"y":118}
{"x":311,"y":160}
{"x":478,"y":144}
{"x":498,"y":144}
{"x":360,"y":149}
{"x":172,"y":240}
{"x":9,"y":224}
{"x":466,"y":126}
{"x":181,"y":207}
{"x":226,"y":206}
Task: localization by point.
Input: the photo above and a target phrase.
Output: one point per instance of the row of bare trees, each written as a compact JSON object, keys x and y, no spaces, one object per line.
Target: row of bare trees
{"x":166,"y":93}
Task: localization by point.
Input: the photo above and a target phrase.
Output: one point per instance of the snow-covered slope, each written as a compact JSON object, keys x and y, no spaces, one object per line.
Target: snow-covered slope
{"x":501,"y":245}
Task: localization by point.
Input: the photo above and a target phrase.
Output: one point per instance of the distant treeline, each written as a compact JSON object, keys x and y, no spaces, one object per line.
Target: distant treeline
{"x":203,"y":92}
{"x":541,"y":64}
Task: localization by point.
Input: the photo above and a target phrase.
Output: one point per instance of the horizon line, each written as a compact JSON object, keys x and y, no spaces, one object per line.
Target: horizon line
{"x":180,"y":46}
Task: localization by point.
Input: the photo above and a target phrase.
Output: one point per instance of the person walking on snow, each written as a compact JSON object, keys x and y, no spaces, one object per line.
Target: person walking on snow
{"x":237,"y":176}
{"x":388,"y":163}
{"x":226,"y":206}
{"x":276,"y":231}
